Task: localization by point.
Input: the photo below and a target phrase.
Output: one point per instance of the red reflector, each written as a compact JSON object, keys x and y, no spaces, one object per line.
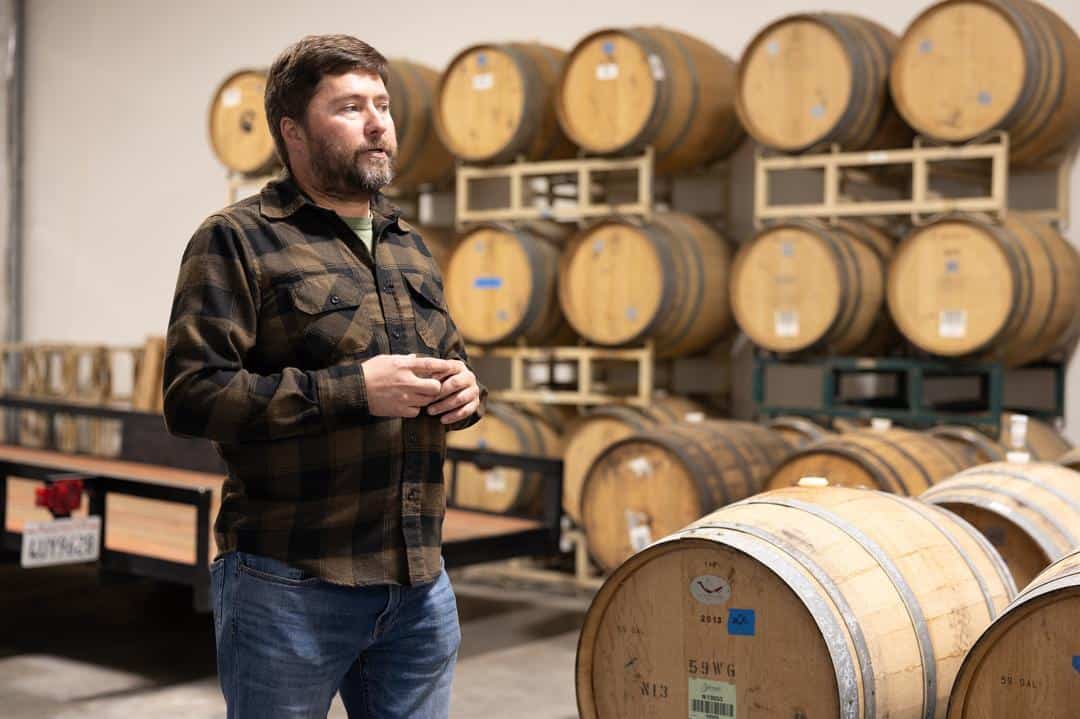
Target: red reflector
{"x":61,"y":497}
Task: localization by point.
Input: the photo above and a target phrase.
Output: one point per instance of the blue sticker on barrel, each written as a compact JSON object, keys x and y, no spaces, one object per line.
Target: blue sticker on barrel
{"x":487,"y":283}
{"x":740,"y":622}
{"x":1076,"y":663}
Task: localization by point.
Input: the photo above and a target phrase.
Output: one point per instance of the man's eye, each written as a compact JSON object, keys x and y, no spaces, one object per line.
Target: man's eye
{"x":350,"y":108}
{"x":384,"y":108}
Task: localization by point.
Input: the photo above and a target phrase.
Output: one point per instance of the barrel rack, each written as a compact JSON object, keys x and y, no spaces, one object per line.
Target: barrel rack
{"x":907,"y":172}
{"x":908,"y":403}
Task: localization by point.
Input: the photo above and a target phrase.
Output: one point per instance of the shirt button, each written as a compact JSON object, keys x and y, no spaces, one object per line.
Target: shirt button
{"x":334,"y":299}
{"x":396,"y":334}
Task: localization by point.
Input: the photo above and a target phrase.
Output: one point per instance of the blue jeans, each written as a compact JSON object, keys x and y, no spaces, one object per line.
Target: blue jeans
{"x":288,"y":641}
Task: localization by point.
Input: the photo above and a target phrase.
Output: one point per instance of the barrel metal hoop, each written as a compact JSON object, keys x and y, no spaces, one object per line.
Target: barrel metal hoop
{"x":922,"y":510}
{"x":992,"y":554}
{"x":662,"y":99}
{"x":860,"y":81}
{"x":717,"y":471}
{"x":858,"y":639}
{"x":911,"y":602}
{"x":831,"y":629}
{"x":692,"y":264}
{"x":691,"y":112}
{"x":1044,"y":542}
{"x":1071,"y":502}
{"x":911,"y":458}
{"x":1070,"y":580}
{"x":1028,"y":43}
{"x":1026,"y":504}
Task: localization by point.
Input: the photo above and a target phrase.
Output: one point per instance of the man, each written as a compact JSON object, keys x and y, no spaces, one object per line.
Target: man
{"x":309,"y":339}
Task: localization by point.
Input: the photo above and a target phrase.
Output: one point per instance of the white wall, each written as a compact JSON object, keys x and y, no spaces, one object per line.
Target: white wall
{"x":118,"y":167}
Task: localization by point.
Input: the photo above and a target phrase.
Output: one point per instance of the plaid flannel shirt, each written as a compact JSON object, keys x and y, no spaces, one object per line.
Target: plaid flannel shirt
{"x":277,"y":304}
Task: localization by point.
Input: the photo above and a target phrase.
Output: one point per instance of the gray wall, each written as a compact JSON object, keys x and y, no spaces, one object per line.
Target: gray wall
{"x":118,"y":168}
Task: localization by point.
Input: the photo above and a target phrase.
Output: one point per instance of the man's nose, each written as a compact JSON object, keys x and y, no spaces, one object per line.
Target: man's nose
{"x":376,"y":124}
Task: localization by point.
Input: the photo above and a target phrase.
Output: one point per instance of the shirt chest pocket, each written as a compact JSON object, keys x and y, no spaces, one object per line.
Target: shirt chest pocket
{"x":334,"y":318}
{"x":429,"y":309}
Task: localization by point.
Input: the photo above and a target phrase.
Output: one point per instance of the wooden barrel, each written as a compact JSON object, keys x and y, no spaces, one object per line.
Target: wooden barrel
{"x":495,"y":104}
{"x":805,"y":284}
{"x":656,"y":481}
{"x":809,"y":80}
{"x":665,"y":279}
{"x":974,"y":446}
{"x":421,"y":156}
{"x":1029,"y":512}
{"x":800,"y":603}
{"x":1025,"y":663}
{"x":964,"y":287}
{"x":798,"y":431}
{"x":1043,"y":441}
{"x":624,"y":89}
{"x":893,"y":460}
{"x":1070,"y":459}
{"x":966,"y":67}
{"x":239,"y":133}
{"x":504,"y":429}
{"x":605,"y":425}
{"x":501,"y":286}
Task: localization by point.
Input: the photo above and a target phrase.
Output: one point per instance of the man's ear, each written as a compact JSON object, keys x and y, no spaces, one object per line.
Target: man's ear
{"x":291,"y":130}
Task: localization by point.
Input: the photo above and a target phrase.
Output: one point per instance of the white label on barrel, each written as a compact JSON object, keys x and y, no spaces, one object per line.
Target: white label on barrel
{"x":712,"y":700}
{"x":566,"y":372}
{"x":539,"y":373}
{"x":772,"y":47}
{"x":710,"y":589}
{"x":640,"y":537}
{"x":640,"y":466}
{"x":494,"y":481}
{"x":231,"y":97}
{"x":607,"y":71}
{"x":952,"y":324}
{"x":657,"y":67}
{"x":483,"y":81}
{"x":786,"y":323}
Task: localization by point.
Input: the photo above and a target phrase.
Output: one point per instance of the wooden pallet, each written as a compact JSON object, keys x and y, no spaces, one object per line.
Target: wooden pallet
{"x":526,"y":386}
{"x":569,"y":190}
{"x":909,"y":175}
{"x":838,"y":168}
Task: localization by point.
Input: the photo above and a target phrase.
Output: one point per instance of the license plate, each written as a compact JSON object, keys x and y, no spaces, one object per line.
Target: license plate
{"x":62,"y":541}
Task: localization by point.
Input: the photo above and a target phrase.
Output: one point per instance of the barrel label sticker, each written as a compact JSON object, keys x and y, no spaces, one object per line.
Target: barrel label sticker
{"x":231,"y":97}
{"x":495,"y":482}
{"x":488,"y":283}
{"x":607,"y":71}
{"x":1076,"y":663}
{"x":711,"y":700}
{"x":657,"y":67}
{"x":786,"y":323}
{"x":952,"y":324}
{"x":787,"y":249}
{"x":483,"y":81}
{"x":710,"y":589}
{"x":772,"y":47}
{"x":640,"y":466}
{"x":741,"y":622}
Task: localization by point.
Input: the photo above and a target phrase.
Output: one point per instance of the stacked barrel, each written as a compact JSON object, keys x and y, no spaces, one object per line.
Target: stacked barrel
{"x":616,"y":282}
{"x":962,"y":286}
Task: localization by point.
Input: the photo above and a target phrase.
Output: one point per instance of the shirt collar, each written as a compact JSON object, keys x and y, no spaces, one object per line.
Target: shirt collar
{"x":282,"y":197}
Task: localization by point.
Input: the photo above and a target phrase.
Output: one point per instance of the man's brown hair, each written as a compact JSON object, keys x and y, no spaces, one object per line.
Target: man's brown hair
{"x":298,"y":70}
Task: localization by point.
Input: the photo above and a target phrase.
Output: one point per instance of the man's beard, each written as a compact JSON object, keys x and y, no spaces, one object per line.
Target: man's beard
{"x":351,"y":177}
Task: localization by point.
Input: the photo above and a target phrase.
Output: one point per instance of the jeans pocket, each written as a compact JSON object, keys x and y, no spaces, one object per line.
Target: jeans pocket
{"x":270,"y":570}
{"x":217,"y":591}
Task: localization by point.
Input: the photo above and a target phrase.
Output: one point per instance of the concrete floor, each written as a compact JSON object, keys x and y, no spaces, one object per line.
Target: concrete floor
{"x":70,"y":647}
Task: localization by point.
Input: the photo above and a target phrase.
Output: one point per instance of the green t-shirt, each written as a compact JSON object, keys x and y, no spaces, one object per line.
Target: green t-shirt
{"x":362,"y":227}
